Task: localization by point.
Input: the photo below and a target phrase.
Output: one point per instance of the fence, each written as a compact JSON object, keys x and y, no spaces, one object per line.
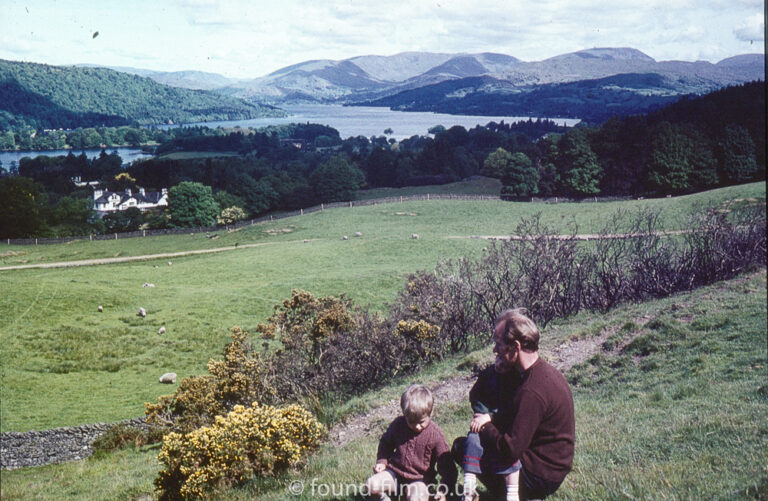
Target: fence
{"x":283,"y":215}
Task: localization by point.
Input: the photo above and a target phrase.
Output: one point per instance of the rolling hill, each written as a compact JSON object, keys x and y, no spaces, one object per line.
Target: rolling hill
{"x":43,"y":96}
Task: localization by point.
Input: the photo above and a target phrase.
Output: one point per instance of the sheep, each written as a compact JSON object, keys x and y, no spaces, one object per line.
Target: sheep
{"x":345,"y":237}
{"x":415,"y":236}
{"x":168,"y":378}
{"x":147,"y":284}
{"x":142,"y":313}
{"x":169,"y":263}
{"x":358,"y":234}
{"x":161,"y":330}
{"x":100,"y":308}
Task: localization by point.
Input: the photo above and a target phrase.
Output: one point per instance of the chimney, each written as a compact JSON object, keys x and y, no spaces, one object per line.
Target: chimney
{"x":141,"y":191}
{"x":165,"y":191}
{"x":128,"y":191}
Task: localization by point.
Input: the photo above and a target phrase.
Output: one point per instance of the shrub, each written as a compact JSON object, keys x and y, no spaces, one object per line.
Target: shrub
{"x":122,"y":435}
{"x":255,"y":440}
{"x":241,"y":378}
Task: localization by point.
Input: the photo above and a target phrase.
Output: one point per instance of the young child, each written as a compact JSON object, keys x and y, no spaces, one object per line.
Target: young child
{"x":492,"y":395}
{"x":412,"y":451}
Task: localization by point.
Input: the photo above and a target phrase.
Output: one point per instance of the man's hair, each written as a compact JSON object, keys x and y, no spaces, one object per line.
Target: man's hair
{"x":416,"y":403}
{"x":516,"y":326}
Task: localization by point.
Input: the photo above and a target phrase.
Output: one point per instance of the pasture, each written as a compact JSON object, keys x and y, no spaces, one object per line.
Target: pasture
{"x":679,"y":413}
{"x":65,"y":363}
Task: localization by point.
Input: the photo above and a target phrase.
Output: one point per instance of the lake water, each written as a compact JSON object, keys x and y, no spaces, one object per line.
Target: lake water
{"x":127,"y":154}
{"x":350,"y":121}
{"x":372,"y":121}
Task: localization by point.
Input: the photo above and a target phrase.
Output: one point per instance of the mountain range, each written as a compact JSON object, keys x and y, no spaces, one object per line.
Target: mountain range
{"x":588,"y":84}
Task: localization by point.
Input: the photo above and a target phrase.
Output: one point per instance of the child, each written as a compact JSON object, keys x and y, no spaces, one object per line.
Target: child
{"x":410,"y":452}
{"x":492,"y":395}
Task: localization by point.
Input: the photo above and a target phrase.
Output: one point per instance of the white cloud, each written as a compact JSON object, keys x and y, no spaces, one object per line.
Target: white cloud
{"x":753,"y":29}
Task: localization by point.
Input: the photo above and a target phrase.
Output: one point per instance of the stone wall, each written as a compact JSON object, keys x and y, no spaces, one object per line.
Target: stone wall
{"x":57,"y":445}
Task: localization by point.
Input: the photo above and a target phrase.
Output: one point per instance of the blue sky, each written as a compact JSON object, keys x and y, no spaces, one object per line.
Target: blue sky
{"x":250,"y":38}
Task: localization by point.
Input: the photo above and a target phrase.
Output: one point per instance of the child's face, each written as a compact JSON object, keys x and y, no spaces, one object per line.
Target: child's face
{"x":418,"y":425}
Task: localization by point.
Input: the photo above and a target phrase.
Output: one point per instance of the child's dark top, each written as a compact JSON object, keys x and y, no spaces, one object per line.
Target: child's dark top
{"x":416,"y":456}
{"x":492,"y":394}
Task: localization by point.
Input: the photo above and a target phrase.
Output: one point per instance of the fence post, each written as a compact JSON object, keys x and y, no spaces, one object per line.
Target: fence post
{"x":270,"y":217}
{"x":350,"y":204}
{"x":302,"y":212}
{"x":322,"y":206}
{"x":90,"y":237}
{"x":35,"y":241}
{"x":115,"y":236}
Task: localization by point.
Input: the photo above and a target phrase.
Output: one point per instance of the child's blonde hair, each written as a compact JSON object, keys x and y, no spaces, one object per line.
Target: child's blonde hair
{"x":416,"y":403}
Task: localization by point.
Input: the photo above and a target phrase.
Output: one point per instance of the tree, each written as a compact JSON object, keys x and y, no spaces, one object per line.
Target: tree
{"x":496,"y":163}
{"x":75,"y":216}
{"x":191,"y":204}
{"x":580,"y":171}
{"x":23,"y":208}
{"x":337,"y":180}
{"x":739,"y":164}
{"x":680,"y":161}
{"x":520,"y":178}
{"x":231,"y":215}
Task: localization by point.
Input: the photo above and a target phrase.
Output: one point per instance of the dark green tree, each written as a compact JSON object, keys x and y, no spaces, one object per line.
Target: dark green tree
{"x":23,"y":208}
{"x":496,"y":163}
{"x":191,"y":204}
{"x":739,"y":163}
{"x":579,"y":168}
{"x":336,"y":180}
{"x":520,"y":178}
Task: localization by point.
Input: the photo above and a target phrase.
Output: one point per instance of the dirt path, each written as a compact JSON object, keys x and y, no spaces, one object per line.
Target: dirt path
{"x":166,"y":255}
{"x":146,"y":257}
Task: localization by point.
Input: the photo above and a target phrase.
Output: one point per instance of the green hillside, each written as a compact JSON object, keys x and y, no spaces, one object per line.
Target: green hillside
{"x":685,"y":420}
{"x":42,"y":96}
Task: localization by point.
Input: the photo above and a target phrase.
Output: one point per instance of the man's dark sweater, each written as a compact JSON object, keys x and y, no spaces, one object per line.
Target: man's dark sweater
{"x":543,"y":429}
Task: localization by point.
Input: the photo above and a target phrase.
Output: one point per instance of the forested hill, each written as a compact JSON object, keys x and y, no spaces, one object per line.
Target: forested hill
{"x":46,"y":97}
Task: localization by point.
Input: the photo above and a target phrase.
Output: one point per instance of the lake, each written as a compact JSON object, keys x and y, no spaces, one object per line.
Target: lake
{"x":370,"y":121}
{"x":350,"y":121}
{"x":127,"y":154}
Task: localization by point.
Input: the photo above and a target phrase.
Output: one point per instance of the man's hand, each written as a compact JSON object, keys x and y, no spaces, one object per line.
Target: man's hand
{"x":478,"y":421}
{"x":379,"y":467}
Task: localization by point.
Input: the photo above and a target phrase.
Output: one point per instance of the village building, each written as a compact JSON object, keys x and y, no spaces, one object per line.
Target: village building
{"x":105,"y":202}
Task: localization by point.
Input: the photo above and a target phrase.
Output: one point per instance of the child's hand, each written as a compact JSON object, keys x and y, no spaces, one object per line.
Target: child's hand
{"x":379,"y":467}
{"x":478,"y":421}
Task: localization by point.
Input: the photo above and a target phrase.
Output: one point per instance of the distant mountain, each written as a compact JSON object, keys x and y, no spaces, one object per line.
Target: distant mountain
{"x":592,"y":100}
{"x":185,"y":79}
{"x":378,"y":79}
{"x":43,"y":96}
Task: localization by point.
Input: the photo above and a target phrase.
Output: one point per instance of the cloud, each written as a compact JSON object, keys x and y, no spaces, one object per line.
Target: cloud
{"x":753,"y":29}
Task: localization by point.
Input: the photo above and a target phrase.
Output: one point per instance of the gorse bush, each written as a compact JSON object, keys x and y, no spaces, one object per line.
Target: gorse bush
{"x":255,"y":440}
{"x":242,"y":377}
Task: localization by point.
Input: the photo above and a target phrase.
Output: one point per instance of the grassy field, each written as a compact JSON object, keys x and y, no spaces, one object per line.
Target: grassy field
{"x":674,"y":405}
{"x":64,"y":363}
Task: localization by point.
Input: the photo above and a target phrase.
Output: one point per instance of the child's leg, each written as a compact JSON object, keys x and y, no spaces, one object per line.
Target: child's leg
{"x":381,"y":484}
{"x":473,"y":451}
{"x":416,"y":491}
{"x":512,"y":481}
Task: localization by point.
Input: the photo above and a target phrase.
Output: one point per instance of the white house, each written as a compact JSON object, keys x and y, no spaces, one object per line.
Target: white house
{"x":105,"y":202}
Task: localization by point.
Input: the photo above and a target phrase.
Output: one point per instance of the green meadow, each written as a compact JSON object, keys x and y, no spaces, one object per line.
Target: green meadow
{"x":65,"y":363}
{"x":672,"y":404}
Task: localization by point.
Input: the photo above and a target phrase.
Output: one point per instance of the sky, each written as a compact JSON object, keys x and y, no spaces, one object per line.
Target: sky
{"x":251,"y":38}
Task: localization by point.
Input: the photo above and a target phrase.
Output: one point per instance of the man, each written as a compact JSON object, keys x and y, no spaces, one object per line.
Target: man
{"x":542,"y":429}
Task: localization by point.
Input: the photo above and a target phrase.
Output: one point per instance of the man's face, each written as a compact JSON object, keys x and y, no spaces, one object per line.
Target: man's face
{"x":506,"y":355}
